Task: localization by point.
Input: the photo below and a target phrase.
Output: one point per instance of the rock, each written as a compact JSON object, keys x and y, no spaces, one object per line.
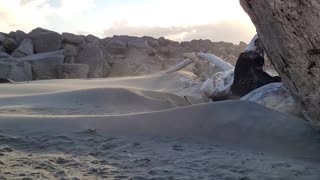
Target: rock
{"x":92,"y":39}
{"x":4,"y":55}
{"x":249,"y":74}
{"x":137,"y":43}
{"x":72,"y":38}
{"x":70,"y":50}
{"x":2,"y":38}
{"x":92,"y":55}
{"x":2,"y":49}
{"x":218,"y":86}
{"x":24,"y":49}
{"x":72,"y":71}
{"x":45,"y":40}
{"x":275,"y":96}
{"x":290,"y":34}
{"x":19,"y":36}
{"x":116,"y":47}
{"x":44,"y":64}
{"x":69,"y":59}
{"x":15,"y":70}
{"x":9,"y":44}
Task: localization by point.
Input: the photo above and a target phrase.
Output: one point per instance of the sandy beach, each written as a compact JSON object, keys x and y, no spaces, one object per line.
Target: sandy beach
{"x":147,"y":127}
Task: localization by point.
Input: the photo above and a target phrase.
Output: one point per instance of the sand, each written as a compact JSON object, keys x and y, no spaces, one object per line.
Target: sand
{"x":147,"y":127}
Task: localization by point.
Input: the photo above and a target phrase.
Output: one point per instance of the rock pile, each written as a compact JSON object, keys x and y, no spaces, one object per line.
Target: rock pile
{"x":52,"y":55}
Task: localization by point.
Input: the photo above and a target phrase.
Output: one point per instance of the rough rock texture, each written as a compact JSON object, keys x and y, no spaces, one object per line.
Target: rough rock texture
{"x":44,"y":64}
{"x":92,"y":39}
{"x":72,"y":38}
{"x":72,"y":71}
{"x":4,"y":55}
{"x":92,"y":55}
{"x":70,"y":50}
{"x":45,"y":40}
{"x":9,"y":44}
{"x":275,"y":96}
{"x":24,"y":49}
{"x":289,"y":31}
{"x":15,"y":70}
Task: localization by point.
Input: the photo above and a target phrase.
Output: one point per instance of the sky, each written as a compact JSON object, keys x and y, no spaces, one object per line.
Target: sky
{"x":180,"y":20}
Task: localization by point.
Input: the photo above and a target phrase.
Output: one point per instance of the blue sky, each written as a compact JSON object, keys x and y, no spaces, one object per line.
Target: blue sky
{"x":218,"y":20}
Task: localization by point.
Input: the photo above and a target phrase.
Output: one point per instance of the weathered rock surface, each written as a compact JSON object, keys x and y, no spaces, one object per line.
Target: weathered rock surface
{"x":4,"y":55}
{"x":72,"y":71}
{"x":92,"y":55}
{"x":19,"y":36}
{"x":45,"y":40}
{"x":72,"y":38}
{"x":24,"y":49}
{"x":275,"y":96}
{"x":15,"y":70}
{"x":70,"y":50}
{"x":9,"y":44}
{"x":92,"y":39}
{"x":289,"y":31}
{"x":44,"y":64}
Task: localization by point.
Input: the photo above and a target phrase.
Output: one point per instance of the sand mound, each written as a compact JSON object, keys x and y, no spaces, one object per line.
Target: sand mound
{"x":142,"y":127}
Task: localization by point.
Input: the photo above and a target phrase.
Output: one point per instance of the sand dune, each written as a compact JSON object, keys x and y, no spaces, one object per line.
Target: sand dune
{"x":145,"y":127}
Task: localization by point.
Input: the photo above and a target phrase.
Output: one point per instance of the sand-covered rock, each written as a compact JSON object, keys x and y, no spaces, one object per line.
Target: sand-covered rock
{"x":45,"y":40}
{"x":24,"y":49}
{"x":72,"y":71}
{"x":276,"y":96}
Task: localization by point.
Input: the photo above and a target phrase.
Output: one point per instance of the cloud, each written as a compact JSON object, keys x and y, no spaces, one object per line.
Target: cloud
{"x":230,"y":31}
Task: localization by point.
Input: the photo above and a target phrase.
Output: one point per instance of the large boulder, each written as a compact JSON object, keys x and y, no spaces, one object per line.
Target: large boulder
{"x":13,"y":69}
{"x":4,"y":55}
{"x":9,"y":44}
{"x":24,"y":49}
{"x":92,"y":55}
{"x":70,"y":50}
{"x":44,"y":64}
{"x":72,"y":71}
{"x":45,"y":40}
{"x":275,"y":96}
{"x":289,"y":31}
{"x":116,"y":47}
{"x":19,"y":36}
{"x":70,"y":38}
{"x":92,"y":39}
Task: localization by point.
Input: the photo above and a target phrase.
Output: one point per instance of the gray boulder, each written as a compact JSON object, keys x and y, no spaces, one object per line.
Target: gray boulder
{"x":116,"y":47}
{"x":44,"y":64}
{"x":13,"y":69}
{"x":92,"y":39}
{"x":2,"y":38}
{"x":275,"y":96}
{"x":45,"y":40}
{"x":9,"y":44}
{"x":24,"y":49}
{"x":19,"y":36}
{"x":72,"y":38}
{"x":72,"y":71}
{"x":92,"y":55}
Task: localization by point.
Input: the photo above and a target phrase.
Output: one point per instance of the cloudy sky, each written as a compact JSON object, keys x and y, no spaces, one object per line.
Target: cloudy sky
{"x":217,"y":20}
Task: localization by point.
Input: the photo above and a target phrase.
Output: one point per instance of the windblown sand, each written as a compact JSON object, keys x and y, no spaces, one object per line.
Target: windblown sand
{"x":147,"y":127}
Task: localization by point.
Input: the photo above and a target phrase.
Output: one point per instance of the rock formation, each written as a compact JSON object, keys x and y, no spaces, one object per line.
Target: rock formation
{"x":289,"y":31}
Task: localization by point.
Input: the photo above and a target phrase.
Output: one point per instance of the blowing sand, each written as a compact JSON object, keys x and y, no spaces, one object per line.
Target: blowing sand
{"x":147,"y":127}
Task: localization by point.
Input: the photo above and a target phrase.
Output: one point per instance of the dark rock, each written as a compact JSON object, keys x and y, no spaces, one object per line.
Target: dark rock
{"x":9,"y":44}
{"x":249,"y":74}
{"x":92,"y":39}
{"x":70,"y":50}
{"x":45,"y":40}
